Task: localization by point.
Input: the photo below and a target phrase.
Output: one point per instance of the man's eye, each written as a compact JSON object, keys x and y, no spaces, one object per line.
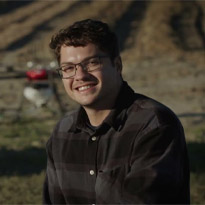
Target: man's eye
{"x":68,"y":68}
{"x":94,"y":61}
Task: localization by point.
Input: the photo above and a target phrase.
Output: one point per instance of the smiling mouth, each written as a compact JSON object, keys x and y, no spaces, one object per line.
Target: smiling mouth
{"x":86,"y":87}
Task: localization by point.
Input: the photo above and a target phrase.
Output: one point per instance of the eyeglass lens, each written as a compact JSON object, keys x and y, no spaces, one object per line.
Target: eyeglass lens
{"x":89,"y":65}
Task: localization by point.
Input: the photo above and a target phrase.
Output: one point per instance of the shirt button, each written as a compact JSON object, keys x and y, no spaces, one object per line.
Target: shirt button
{"x":92,"y":172}
{"x":94,"y":138}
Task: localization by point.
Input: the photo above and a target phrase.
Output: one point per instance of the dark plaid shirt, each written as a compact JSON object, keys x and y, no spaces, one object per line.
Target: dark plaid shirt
{"x":137,"y":156}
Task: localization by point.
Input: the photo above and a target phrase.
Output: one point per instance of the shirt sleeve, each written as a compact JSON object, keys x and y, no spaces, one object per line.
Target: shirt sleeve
{"x":52,"y":193}
{"x":159,"y":168}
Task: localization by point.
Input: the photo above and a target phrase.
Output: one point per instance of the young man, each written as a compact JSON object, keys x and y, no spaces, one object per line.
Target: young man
{"x":119,"y":147}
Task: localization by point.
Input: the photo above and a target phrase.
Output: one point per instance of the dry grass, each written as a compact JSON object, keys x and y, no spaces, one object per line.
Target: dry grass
{"x":168,"y":29}
{"x":158,"y":30}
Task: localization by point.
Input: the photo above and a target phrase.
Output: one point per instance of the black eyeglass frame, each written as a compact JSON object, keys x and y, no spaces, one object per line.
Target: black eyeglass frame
{"x":81,"y":65}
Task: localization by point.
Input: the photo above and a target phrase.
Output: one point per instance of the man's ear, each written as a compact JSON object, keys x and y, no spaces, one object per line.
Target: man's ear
{"x":118,"y":64}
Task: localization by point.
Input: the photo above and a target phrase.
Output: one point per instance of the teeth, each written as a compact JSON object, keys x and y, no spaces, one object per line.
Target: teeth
{"x":84,"y":88}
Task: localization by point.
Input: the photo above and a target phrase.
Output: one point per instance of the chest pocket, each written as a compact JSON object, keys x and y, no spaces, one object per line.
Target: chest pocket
{"x":109,"y":185}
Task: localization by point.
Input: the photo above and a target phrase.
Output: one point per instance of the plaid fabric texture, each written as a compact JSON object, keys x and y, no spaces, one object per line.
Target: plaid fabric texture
{"x":137,"y":156}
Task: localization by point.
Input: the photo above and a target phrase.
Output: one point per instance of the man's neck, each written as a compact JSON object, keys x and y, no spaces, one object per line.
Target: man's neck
{"x":96,"y":117}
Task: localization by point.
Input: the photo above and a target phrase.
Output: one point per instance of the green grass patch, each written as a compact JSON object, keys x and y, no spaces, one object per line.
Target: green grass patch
{"x":23,"y":160}
{"x":196,"y":152}
{"x":21,"y":189}
{"x":26,"y":133}
{"x":197,"y":181}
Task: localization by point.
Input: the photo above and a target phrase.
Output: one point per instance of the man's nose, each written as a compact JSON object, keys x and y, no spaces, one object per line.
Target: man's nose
{"x":81,"y":73}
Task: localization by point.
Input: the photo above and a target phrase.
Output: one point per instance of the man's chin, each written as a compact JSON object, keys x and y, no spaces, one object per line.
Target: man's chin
{"x":87,"y":103}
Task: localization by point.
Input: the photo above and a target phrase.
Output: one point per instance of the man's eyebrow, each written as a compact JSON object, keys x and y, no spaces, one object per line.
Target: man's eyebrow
{"x":71,"y":63}
{"x":67,"y":63}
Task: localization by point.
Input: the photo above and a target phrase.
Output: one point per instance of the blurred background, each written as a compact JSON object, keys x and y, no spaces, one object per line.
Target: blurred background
{"x":162,"y":46}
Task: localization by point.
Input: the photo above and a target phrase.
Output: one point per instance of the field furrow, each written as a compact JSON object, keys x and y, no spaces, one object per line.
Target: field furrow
{"x":19,"y":30}
{"x":35,"y":45}
{"x":23,"y":13}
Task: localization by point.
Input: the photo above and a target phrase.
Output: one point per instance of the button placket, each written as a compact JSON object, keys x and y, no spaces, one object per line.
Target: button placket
{"x":93,"y":146}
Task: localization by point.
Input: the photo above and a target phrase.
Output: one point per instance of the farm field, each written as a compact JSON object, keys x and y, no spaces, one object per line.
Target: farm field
{"x":163,"y":52}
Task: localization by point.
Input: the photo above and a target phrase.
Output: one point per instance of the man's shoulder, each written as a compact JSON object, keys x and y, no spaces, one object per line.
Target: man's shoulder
{"x":67,"y":121}
{"x":149,"y":109}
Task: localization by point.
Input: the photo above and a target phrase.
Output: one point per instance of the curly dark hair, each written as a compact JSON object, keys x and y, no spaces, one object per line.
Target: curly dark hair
{"x":81,"y":33}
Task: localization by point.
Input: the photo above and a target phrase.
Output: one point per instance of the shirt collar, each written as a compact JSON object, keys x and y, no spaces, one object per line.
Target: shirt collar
{"x":118,"y":115}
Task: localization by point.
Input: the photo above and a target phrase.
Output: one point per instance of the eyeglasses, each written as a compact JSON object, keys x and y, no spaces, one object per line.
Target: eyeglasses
{"x":90,"y":64}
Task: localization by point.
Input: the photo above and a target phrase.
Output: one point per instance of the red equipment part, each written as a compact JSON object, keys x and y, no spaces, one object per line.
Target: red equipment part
{"x":37,"y":74}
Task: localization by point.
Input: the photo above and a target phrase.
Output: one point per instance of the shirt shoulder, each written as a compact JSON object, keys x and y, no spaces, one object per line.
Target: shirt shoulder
{"x":67,"y":122}
{"x":151,"y":112}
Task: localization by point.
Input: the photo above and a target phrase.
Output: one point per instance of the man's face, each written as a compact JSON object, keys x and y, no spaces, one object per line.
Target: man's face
{"x":97,"y":89}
